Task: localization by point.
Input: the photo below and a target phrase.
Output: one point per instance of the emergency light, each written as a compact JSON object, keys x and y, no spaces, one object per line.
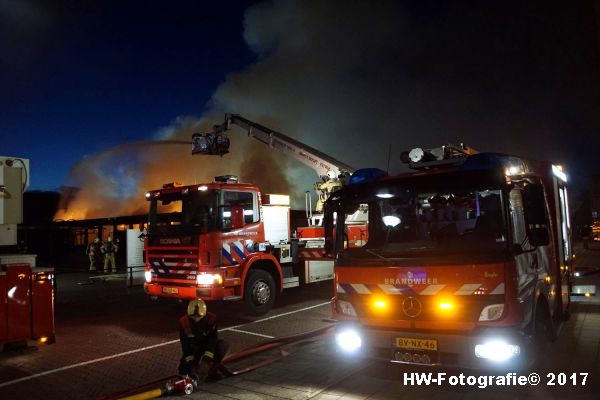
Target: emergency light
{"x":226,"y":179}
{"x":366,"y":175}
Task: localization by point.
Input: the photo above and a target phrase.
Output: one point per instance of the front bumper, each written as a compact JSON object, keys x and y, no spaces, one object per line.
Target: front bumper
{"x":453,"y":349}
{"x":188,"y":292}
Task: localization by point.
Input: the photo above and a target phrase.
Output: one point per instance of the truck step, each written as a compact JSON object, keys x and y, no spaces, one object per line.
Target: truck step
{"x":231,"y":298}
{"x":291,"y":282}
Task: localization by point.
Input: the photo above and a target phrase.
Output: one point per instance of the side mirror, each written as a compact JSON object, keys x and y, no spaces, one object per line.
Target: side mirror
{"x":237,"y":217}
{"x":536,"y":218}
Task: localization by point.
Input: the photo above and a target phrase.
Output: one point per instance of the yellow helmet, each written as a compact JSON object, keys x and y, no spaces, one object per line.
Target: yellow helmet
{"x":196,"y":307}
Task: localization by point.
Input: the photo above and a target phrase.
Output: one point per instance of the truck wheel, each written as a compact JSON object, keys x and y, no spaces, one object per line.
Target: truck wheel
{"x":259,"y":292}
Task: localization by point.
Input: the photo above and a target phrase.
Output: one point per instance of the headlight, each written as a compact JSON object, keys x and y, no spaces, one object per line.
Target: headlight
{"x":148,"y":276}
{"x":348,"y":340}
{"x":491,"y":313}
{"x":209,"y":279}
{"x":497,"y":350}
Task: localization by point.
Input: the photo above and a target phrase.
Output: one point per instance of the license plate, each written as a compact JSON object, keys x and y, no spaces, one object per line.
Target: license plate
{"x":416,"y":344}
{"x":170,"y":290}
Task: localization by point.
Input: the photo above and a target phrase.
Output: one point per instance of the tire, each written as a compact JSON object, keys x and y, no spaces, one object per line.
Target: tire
{"x":259,"y":292}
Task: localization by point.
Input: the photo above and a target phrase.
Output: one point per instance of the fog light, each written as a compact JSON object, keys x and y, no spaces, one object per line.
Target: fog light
{"x":492,"y":312}
{"x":148,"y":276}
{"x":497,"y":350}
{"x":348,"y":340}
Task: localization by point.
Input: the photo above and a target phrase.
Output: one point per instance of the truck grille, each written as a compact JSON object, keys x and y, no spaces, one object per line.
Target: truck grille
{"x":172,"y":264}
{"x":468,"y":310}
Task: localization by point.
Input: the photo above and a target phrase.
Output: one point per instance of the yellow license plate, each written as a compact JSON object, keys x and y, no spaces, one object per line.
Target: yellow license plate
{"x":416,"y":344}
{"x":170,"y":290}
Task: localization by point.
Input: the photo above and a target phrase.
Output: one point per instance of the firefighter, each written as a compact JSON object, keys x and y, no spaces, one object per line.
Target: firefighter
{"x":330,"y":184}
{"x":93,"y":252}
{"x":202,"y":349}
{"x":109,"y":249}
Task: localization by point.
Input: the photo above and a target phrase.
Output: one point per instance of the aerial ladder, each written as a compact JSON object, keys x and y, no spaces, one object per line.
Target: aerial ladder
{"x":332,"y":172}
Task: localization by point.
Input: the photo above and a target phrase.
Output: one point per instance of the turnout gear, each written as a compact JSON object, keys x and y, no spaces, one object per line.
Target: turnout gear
{"x":324,"y":190}
{"x":93,"y":253}
{"x":109,"y":249}
{"x":202,"y":349}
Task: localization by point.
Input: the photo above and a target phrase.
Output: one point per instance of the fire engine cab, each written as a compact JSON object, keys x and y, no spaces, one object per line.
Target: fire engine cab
{"x":467,"y":261}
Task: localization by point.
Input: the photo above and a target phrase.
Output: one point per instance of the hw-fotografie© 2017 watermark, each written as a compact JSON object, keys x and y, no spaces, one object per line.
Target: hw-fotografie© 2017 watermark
{"x":484,"y":381}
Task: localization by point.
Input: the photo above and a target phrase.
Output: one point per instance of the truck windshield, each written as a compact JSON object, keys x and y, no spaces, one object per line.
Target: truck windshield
{"x":417,"y":220}
{"x":183,"y":212}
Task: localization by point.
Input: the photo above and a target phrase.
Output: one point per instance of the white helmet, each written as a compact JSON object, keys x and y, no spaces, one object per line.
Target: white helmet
{"x":109,"y":239}
{"x":331,"y":174}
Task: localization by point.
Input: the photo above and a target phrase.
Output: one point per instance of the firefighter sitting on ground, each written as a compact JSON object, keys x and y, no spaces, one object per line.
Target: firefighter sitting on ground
{"x":109,"y":249}
{"x":93,"y":252}
{"x":202,"y":350}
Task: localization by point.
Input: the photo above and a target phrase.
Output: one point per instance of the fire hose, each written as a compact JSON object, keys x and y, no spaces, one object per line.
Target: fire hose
{"x":179,"y":384}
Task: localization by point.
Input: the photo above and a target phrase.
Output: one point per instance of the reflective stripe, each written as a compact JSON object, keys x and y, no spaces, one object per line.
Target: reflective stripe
{"x":429,"y":290}
{"x":467,"y":289}
{"x":390,"y":289}
{"x":226,"y":253}
{"x":360,"y":288}
{"x":432,"y":289}
{"x":499,"y":289}
{"x":209,"y":354}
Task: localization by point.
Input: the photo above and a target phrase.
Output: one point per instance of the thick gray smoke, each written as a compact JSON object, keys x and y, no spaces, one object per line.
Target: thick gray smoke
{"x":356,"y":78}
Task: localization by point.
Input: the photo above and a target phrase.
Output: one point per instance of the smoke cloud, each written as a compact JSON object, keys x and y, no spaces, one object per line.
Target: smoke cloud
{"x":354,"y":79}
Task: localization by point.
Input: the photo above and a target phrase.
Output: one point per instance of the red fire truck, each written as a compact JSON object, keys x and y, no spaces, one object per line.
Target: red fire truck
{"x":467,"y":261}
{"x":225,"y":241}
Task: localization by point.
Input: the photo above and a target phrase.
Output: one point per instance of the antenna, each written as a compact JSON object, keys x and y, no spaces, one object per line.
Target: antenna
{"x":388,"y":160}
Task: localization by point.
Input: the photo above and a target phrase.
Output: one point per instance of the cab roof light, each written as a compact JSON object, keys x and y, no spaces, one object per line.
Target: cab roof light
{"x":170,"y":185}
{"x":226,"y":179}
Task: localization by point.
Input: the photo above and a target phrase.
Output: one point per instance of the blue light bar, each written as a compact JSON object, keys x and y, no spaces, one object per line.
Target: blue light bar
{"x":366,"y":175}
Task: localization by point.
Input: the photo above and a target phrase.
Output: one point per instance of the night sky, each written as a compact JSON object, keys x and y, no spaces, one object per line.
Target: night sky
{"x":78,"y":78}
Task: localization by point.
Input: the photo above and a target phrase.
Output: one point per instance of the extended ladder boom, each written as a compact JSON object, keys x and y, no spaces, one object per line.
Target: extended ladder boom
{"x":216,"y":142}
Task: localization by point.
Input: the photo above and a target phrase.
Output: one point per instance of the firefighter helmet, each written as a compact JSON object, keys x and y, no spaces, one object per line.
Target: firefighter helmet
{"x":196,"y":308}
{"x":96,"y":240}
